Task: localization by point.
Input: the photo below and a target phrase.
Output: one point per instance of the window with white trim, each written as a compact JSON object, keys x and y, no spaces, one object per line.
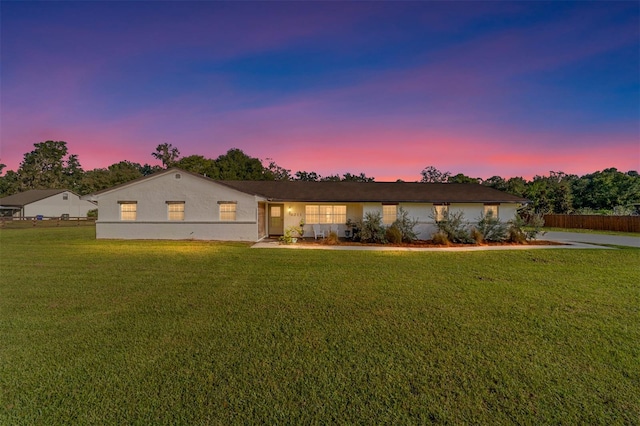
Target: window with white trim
{"x":323,"y":213}
{"x":389,"y":213}
{"x":175,"y":210}
{"x":441,"y":212}
{"x":491,"y":210}
{"x":128,"y":210}
{"x":228,"y":211}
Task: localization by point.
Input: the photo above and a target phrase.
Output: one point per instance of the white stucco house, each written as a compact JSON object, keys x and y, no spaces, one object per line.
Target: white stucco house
{"x":175,"y":204}
{"x":45,"y":203}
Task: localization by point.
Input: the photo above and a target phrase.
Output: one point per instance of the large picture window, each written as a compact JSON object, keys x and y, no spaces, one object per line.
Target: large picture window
{"x":228,"y":212}
{"x":175,"y":210}
{"x":325,"y":214}
{"x":128,"y":210}
{"x":389,"y":213}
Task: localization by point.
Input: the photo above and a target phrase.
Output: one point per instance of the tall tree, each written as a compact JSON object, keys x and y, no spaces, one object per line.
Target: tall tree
{"x":330,"y":178}
{"x":348,"y":177}
{"x":307,"y":176}
{"x":166,"y":153}
{"x":199,"y":164}
{"x":275,"y":172}
{"x":49,"y":166}
{"x":236,"y":165}
{"x":604,"y":190}
{"x":461,"y":178}
{"x":9,"y":183}
{"x":516,"y":186}
{"x":496,"y":182}
{"x":432,"y":175}
{"x":116,"y":174}
{"x":550,"y":194}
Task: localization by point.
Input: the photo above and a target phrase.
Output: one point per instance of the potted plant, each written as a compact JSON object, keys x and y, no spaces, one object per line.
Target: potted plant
{"x":288,"y":237}
{"x":351,"y":229}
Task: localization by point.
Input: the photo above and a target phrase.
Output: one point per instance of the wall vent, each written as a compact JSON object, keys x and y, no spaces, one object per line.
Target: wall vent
{"x":178,"y":176}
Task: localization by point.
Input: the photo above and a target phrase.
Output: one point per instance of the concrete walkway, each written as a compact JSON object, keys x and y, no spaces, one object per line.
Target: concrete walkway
{"x":570,"y":240}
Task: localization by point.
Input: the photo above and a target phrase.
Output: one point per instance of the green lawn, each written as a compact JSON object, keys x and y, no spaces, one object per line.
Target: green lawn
{"x":156,"y":332}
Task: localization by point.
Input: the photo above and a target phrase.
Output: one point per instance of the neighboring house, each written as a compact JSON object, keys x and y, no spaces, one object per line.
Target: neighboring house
{"x":46,"y":203}
{"x":174,"y":204}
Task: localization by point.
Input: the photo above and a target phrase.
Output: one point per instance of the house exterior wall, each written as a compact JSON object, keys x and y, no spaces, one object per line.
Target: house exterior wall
{"x":201,"y":210}
{"x":294,"y":212}
{"x":56,"y":206}
{"x":221,"y":231}
{"x":422,"y":212}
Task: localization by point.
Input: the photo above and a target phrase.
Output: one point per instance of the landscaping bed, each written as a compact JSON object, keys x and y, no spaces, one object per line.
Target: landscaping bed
{"x":421,"y":243}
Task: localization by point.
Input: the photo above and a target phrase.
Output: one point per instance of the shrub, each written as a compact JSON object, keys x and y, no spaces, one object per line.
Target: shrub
{"x":477,"y":236}
{"x":332,"y":239}
{"x":454,"y":227}
{"x":93,"y":213}
{"x":491,"y":228}
{"x":405,"y":226}
{"x":440,"y":238}
{"x":521,"y":230}
{"x":371,"y":229}
{"x":393,"y":235}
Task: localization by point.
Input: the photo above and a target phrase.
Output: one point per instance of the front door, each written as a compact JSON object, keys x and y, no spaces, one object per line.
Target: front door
{"x":276,"y":219}
{"x":262,"y":220}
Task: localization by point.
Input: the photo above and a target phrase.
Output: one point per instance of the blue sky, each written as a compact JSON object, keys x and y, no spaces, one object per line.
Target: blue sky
{"x":384,"y":88}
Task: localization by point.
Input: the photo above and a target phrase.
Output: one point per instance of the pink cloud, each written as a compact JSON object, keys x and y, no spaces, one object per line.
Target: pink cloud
{"x":365,"y":127}
{"x":377,"y":150}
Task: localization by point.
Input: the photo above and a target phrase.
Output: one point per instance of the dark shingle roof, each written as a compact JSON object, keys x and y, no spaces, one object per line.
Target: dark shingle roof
{"x":385,"y":192}
{"x":345,"y":192}
{"x":23,"y":198}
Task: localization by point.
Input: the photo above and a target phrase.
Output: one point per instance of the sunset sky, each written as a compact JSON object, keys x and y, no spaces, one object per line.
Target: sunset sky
{"x":495,"y":88}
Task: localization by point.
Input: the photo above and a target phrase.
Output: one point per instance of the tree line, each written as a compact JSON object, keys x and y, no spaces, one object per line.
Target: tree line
{"x":50,"y":165}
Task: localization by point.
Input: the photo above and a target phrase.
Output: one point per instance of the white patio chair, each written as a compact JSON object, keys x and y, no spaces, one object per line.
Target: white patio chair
{"x":318,"y":232}
{"x":334,"y":228}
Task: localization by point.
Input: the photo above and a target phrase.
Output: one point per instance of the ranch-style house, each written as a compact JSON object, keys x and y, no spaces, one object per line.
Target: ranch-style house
{"x":175,"y":204}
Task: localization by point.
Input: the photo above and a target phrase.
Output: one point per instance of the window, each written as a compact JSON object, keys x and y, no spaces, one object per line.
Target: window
{"x":389,"y":213}
{"x":325,"y":214}
{"x":175,"y":210}
{"x":312,"y":214}
{"x":227,"y":211}
{"x":441,"y":212}
{"x":65,"y":196}
{"x":128,"y":210}
{"x":491,"y":210}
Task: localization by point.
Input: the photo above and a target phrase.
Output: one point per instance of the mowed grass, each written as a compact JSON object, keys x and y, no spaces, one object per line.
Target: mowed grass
{"x":158,"y":332}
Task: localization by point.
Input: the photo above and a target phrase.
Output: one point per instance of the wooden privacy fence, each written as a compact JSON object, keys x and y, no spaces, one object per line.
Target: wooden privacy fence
{"x":605,"y":223}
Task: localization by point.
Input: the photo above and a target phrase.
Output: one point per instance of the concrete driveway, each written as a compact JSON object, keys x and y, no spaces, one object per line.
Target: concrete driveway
{"x":578,"y":237}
